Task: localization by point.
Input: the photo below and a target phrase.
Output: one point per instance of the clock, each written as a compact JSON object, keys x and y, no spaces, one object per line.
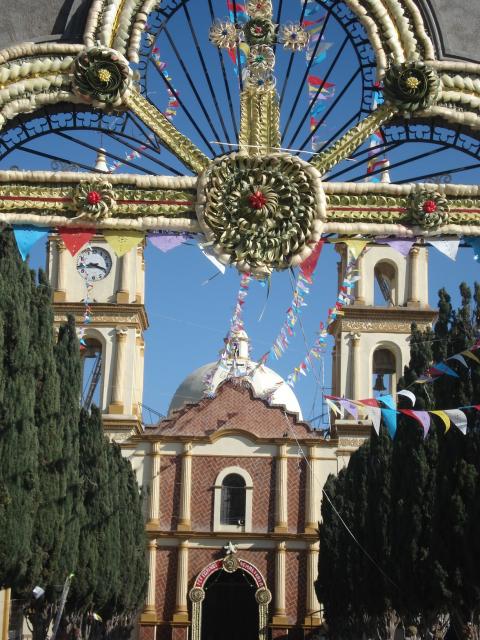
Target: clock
{"x":94,"y":263}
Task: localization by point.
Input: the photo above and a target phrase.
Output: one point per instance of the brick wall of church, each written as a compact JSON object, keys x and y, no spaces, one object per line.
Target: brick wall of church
{"x":170,"y":479}
{"x":297,"y":482}
{"x":204,"y":473}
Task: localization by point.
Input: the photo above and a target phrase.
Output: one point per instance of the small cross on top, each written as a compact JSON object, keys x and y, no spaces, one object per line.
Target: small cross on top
{"x":256,"y":35}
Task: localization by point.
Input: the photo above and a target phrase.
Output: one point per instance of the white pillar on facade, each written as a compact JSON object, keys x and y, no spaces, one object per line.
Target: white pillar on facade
{"x":117,"y":400}
{"x":414,"y":298}
{"x":355,"y":362}
{"x":280,"y":609}
{"x":184,"y":520}
{"x":360,"y":293}
{"x":152,"y":574}
{"x":281,"y":506}
{"x":123,"y":293}
{"x":181,"y":609}
{"x":140,"y":274}
{"x":61,"y":288}
{"x":311,"y":498}
{"x":313,"y":606}
{"x":154,"y":511}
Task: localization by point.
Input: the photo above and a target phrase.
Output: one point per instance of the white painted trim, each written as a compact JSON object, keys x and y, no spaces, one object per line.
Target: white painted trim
{"x":233,"y":528}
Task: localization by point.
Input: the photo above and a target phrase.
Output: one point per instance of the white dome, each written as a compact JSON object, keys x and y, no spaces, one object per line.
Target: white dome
{"x":265,"y":383}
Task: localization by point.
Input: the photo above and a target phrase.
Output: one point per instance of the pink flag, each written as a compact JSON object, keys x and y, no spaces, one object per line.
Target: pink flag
{"x":422,"y":417}
{"x":166,"y":243}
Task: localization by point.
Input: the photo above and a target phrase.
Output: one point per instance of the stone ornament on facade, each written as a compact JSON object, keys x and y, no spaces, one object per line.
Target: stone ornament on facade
{"x":230,"y":563}
{"x":263,"y":596}
{"x":197,"y":594}
{"x":94,"y":200}
{"x":411,"y":86}
{"x":102,"y":77}
{"x":261,"y":213}
{"x":428,"y":209}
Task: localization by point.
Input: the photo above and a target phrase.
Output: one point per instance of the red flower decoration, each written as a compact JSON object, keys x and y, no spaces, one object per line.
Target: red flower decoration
{"x":257,"y":200}
{"x":429,"y":206}
{"x":93,"y":197}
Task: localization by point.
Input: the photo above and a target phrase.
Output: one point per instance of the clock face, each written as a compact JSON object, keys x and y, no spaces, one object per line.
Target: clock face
{"x":94,"y":263}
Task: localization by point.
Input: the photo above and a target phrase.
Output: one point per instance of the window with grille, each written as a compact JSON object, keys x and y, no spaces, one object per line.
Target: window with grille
{"x":233,"y":500}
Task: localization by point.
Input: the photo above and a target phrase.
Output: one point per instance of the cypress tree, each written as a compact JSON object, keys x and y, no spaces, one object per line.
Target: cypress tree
{"x":18,"y":436}
{"x":49,"y":526}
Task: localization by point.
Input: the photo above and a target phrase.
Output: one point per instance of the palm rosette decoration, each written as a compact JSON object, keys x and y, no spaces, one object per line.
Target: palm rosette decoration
{"x":259,"y":8}
{"x":223,"y":34}
{"x":261,"y":214}
{"x":102,"y":77}
{"x":94,"y":200}
{"x":259,"y":31}
{"x":294,"y":37}
{"x":261,"y":61}
{"x":428,"y":209}
{"x":412,"y":86}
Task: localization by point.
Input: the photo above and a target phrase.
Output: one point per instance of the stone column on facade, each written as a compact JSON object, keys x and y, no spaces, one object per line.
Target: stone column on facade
{"x":117,"y":404}
{"x":360,"y":297}
{"x":123,"y":293}
{"x":140,"y":274}
{"x":154,"y":506}
{"x":181,"y":608}
{"x":149,"y":612}
{"x":5,"y":613}
{"x":311,"y":498}
{"x":138,"y":377}
{"x":281,"y":506}
{"x":184,"y":520}
{"x":60,"y":293}
{"x":414,"y":297}
{"x":280,"y":609}
{"x":313,"y":607}
{"x":355,"y":364}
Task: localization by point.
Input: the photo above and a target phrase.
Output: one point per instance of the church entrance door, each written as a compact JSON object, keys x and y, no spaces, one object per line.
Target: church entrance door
{"x":230,"y":609}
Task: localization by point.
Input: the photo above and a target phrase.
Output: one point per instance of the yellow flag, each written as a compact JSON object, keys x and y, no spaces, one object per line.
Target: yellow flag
{"x":469,"y":354}
{"x":356,"y":246}
{"x":333,"y":407}
{"x":123,"y":240}
{"x":443,"y":417}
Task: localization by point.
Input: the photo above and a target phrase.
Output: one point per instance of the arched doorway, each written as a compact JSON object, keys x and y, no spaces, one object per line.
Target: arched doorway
{"x":230,"y":609}
{"x":229,"y":600}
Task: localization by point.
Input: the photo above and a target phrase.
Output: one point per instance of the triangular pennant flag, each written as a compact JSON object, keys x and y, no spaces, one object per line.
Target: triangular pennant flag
{"x":469,"y":354}
{"x":369,"y":402}
{"x":123,"y":240}
{"x":408,"y":394}
{"x":388,"y":401}
{"x":350,"y":407}
{"x":75,"y":238}
{"x":332,"y":406}
{"x":422,"y":417}
{"x":445,"y":419}
{"x":26,"y":236}
{"x":460,"y":359}
{"x":166,"y":242}
{"x":458,"y":418}
{"x":390,"y":418}
{"x":441,"y":366}
{"x":375,"y":415}
{"x":355,"y":246}
{"x":308,"y":266}
{"x":220,"y":266}
{"x":402,"y":246}
{"x":446,"y":246}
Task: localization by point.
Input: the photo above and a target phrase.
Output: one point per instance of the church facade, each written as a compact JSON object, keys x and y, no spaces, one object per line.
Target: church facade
{"x":235,"y":484}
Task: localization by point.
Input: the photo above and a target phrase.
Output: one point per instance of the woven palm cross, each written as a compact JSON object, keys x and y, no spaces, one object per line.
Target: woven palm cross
{"x":258,"y":209}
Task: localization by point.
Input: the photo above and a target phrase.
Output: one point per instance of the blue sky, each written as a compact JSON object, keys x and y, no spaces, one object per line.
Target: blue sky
{"x":189,"y":311}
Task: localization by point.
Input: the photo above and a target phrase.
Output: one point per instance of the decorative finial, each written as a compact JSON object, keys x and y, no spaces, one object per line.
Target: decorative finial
{"x":230,"y":548}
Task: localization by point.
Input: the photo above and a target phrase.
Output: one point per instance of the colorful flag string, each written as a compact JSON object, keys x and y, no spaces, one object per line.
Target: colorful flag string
{"x":344,"y":298}
{"x":319,"y":91}
{"x":375,"y":163}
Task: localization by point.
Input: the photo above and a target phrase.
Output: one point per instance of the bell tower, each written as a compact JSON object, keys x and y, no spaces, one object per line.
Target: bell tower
{"x":113,"y":350}
{"x":372,"y":337}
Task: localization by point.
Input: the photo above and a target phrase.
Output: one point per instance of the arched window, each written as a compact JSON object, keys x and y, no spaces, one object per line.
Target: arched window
{"x":385,"y":288}
{"x":91,"y":355}
{"x":233,"y":500}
